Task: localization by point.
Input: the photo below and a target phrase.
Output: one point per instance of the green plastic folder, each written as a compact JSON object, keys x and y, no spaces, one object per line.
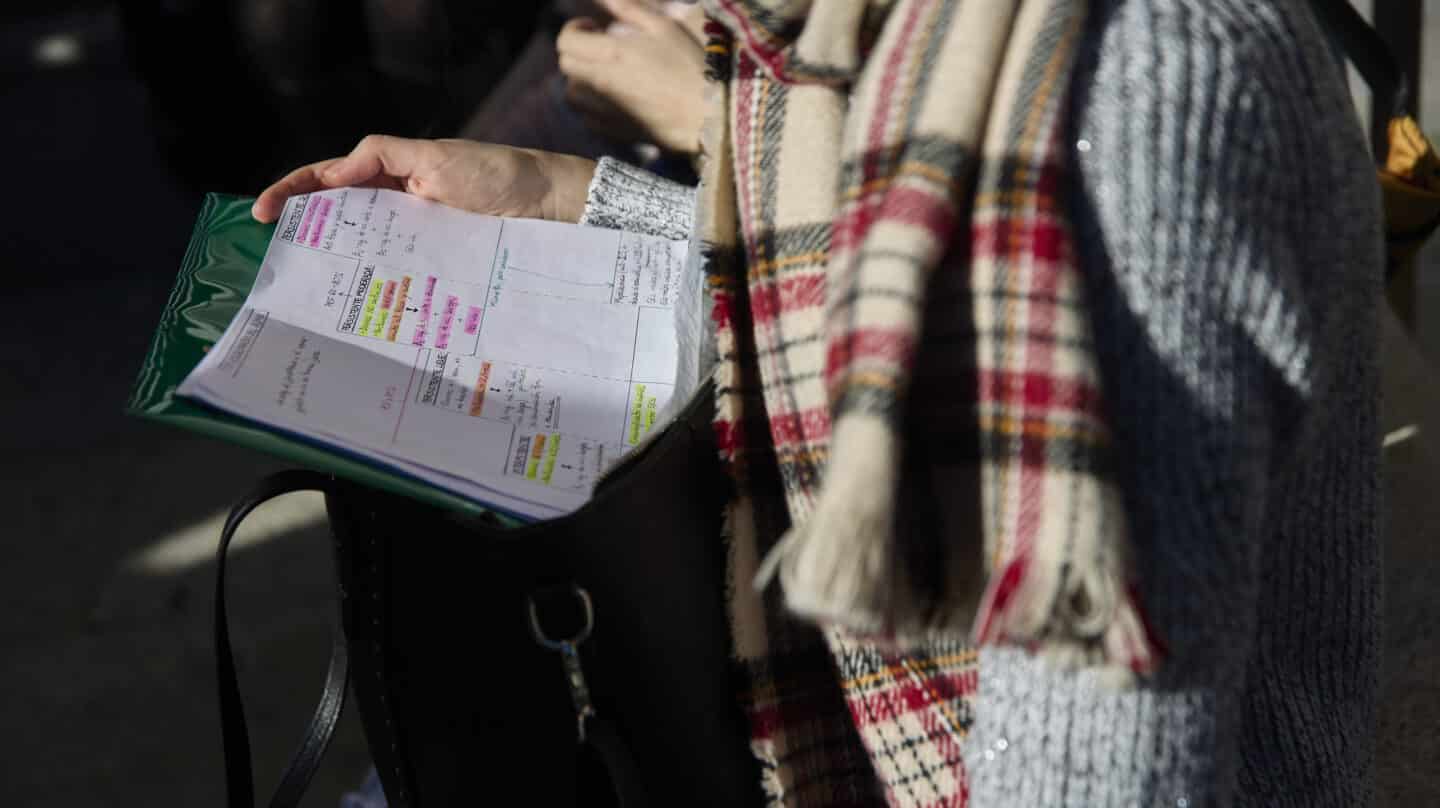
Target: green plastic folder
{"x":220,"y":266}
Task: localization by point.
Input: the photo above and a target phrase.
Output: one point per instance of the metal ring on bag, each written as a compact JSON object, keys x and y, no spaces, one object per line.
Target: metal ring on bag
{"x":569,"y":651}
{"x":580,"y":636}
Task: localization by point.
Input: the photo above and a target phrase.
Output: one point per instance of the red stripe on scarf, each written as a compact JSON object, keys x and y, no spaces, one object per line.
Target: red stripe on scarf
{"x":909,"y":695}
{"x":792,"y":294}
{"x":940,"y":727}
{"x":722,"y":310}
{"x":997,"y":597}
{"x":811,"y":425}
{"x":728,"y":435}
{"x":1044,"y":281}
{"x":894,"y":203}
{"x":893,"y":348}
{"x":742,"y":136}
{"x":899,"y":56}
{"x":1039,"y":237}
{"x":901,"y":204}
{"x":756,"y":42}
{"x":1041,"y":390}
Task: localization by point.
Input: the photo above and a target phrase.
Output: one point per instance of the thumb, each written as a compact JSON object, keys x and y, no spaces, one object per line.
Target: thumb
{"x":377,"y":155}
{"x":637,"y":13}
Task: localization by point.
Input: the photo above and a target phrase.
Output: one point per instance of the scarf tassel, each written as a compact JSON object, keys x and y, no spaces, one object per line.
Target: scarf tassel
{"x":1090,"y":624}
{"x":840,"y":567}
{"x":837,"y":566}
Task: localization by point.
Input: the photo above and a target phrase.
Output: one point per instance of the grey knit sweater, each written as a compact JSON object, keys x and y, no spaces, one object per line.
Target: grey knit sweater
{"x":1229,"y":227}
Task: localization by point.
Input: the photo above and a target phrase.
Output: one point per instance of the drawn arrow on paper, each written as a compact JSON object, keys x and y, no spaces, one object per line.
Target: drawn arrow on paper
{"x":557,"y":279}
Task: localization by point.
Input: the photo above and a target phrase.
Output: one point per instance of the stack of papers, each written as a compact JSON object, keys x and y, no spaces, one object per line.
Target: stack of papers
{"x":509,"y":361}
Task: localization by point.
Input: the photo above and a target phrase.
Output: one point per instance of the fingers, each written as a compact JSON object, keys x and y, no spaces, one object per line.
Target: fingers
{"x":594,"y":58}
{"x":638,"y":13}
{"x":302,"y":180}
{"x":587,"y":24}
{"x":377,"y":155}
{"x":581,"y":40}
{"x":378,"y":160}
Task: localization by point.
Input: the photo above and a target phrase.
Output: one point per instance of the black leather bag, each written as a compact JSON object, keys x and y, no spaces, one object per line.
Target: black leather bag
{"x":581,"y":661}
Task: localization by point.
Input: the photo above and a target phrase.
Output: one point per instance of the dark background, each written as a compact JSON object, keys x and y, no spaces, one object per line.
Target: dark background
{"x":114,"y":119}
{"x":108,"y":139}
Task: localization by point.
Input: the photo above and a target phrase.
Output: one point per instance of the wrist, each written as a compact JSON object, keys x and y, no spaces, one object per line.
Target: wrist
{"x":567,"y":181}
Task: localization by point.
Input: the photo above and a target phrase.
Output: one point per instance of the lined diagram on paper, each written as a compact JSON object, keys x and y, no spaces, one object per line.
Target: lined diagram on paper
{"x":509,"y":360}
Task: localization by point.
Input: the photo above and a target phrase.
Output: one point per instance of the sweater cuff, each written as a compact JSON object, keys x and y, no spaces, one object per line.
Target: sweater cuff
{"x":623,"y":197}
{"x":1043,"y":736}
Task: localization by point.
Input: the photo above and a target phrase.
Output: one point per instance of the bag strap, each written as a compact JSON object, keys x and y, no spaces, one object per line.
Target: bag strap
{"x":1366,"y":49}
{"x":239,"y":782}
{"x":592,"y":731}
{"x":607,"y":745}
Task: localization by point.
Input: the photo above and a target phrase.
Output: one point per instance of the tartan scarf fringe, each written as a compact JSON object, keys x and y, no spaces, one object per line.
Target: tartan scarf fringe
{"x":832,"y":572}
{"x":831,"y":568}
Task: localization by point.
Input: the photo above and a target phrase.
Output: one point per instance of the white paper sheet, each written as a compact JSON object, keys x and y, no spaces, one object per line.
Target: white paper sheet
{"x":511,"y":361}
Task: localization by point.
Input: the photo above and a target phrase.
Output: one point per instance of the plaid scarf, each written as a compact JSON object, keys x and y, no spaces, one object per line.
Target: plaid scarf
{"x":906,"y":396}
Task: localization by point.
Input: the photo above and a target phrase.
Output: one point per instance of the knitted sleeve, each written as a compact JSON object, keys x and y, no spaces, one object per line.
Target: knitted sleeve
{"x":1197,"y":235}
{"x":623,"y":197}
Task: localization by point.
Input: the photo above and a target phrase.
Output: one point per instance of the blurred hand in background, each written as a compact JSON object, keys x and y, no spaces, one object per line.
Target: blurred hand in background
{"x":643,"y":77}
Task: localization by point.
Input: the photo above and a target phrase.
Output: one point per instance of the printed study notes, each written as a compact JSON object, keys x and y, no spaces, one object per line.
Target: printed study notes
{"x":511,"y":361}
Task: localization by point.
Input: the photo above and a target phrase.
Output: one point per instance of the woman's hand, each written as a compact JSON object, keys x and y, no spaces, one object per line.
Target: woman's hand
{"x":642,"y":80}
{"x":479,"y":177}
